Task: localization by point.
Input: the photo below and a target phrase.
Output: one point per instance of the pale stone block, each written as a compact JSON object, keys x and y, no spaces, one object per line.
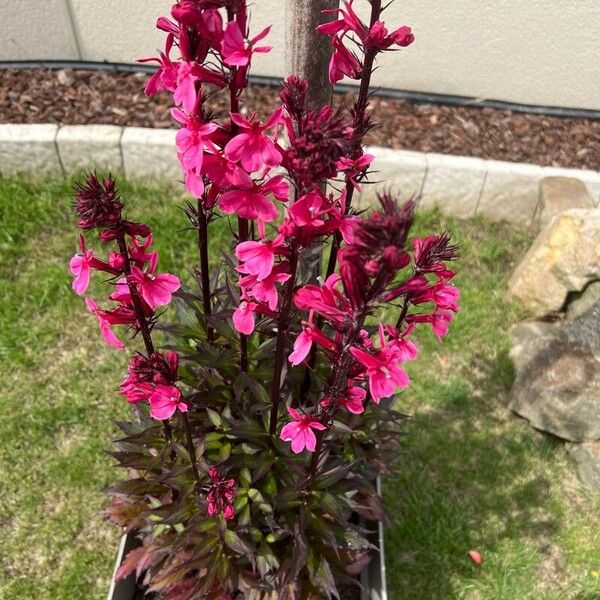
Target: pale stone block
{"x":150,"y":153}
{"x":90,"y":147}
{"x":29,"y":149}
{"x":453,"y":183}
{"x":400,"y":172}
{"x":590,"y":178}
{"x":511,"y":191}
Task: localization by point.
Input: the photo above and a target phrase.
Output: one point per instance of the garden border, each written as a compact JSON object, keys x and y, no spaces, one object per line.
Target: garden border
{"x":462,"y":186}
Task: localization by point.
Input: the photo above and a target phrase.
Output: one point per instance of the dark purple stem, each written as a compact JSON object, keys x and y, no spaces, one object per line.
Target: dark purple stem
{"x":204,"y":267}
{"x":146,"y":335}
{"x":140,"y":317}
{"x":359,"y":120}
{"x":283,"y":325}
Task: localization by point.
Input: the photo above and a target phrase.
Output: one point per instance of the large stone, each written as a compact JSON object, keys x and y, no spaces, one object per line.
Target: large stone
{"x":523,"y":334}
{"x":557,"y":384}
{"x":591,"y":179}
{"x":579,"y":302}
{"x":558,"y":194}
{"x":587,"y":456}
{"x":564,"y":258}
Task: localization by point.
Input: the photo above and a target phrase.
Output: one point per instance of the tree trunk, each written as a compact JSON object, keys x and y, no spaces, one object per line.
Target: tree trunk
{"x":307,"y":51}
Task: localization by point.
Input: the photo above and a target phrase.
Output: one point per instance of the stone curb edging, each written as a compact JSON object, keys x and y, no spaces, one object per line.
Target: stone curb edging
{"x":461,"y":186}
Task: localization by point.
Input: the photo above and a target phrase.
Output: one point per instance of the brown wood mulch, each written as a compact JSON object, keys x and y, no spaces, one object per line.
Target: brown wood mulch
{"x":80,"y":97}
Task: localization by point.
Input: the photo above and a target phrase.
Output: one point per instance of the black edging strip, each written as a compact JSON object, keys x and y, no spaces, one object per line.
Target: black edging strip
{"x":412,"y":96}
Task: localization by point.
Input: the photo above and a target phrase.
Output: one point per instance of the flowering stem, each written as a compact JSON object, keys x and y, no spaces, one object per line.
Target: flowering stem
{"x":359,"y":120}
{"x":242,"y":223}
{"x":204,"y":273}
{"x":243,"y":236}
{"x":340,"y":377}
{"x":282,"y":330}
{"x":140,"y":317}
{"x":403,"y":312}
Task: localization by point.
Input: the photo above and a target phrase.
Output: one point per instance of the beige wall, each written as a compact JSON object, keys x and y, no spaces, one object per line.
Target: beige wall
{"x":530,"y":51}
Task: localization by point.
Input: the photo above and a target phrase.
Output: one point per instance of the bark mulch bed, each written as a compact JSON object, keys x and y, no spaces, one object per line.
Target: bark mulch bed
{"x":80,"y":97}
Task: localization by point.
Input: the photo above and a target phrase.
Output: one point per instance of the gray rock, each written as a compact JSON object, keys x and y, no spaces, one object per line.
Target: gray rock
{"x":582,"y":301}
{"x":557,"y":384}
{"x":587,"y":456}
{"x":525,"y":334}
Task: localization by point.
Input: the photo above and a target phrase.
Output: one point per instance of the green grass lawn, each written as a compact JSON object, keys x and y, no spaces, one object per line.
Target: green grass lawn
{"x":471,"y":476}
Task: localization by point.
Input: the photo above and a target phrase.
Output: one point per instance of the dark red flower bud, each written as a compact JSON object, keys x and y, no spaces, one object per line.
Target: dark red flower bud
{"x":140,"y":229}
{"x":293,"y":96}
{"x":97,"y":203}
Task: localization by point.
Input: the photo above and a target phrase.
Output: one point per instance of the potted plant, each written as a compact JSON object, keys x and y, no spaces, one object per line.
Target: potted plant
{"x":265,"y":417}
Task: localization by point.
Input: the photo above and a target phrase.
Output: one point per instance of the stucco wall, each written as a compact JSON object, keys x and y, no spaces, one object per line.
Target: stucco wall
{"x":533,"y":51}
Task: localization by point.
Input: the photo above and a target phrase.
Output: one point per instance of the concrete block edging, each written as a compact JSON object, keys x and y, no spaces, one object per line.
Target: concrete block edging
{"x":461,"y":186}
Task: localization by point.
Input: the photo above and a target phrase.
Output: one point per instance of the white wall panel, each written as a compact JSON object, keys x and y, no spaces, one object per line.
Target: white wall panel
{"x":533,"y":51}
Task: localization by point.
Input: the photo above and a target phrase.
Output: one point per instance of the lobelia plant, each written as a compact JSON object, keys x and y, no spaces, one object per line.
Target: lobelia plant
{"x":261,"y":427}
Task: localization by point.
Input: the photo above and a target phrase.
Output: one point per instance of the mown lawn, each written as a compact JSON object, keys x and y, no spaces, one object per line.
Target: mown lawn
{"x":470,"y":476}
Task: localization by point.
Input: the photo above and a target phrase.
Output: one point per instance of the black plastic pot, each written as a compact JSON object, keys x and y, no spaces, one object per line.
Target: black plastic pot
{"x":372,"y":578}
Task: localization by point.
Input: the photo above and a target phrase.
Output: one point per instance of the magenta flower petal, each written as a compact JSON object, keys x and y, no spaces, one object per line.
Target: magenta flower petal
{"x":302,"y":347}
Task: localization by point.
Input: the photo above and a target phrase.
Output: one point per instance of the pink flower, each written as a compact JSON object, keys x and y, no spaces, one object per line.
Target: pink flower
{"x":439,"y":320}
{"x":352,"y":400}
{"x":308,"y":210}
{"x":233,"y":47}
{"x":164,"y":401}
{"x":191,"y":140}
{"x":252,"y":148}
{"x":136,"y":392}
{"x":81,"y":266}
{"x":253,"y":202}
{"x":300,"y":433}
{"x":403,"y":36}
{"x":354,"y":168}
{"x":165,"y":78}
{"x":105,"y":320}
{"x":383,"y":369}
{"x":325,"y":300}
{"x":139,"y":250}
{"x":349,"y":21}
{"x":405,"y":349}
{"x":258,"y":257}
{"x":185,"y":92}
{"x":243,"y":317}
{"x":84,"y":261}
{"x":440,"y":323}
{"x":221,"y":495}
{"x":343,"y":62}
{"x":379,"y":38}
{"x":224,"y":173}
{"x":302,"y":347}
{"x":310,"y":334}
{"x":156,"y":290}
{"x":264,"y":290}
{"x":475,"y":556}
{"x":194,"y":184}
{"x":446,"y":296}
